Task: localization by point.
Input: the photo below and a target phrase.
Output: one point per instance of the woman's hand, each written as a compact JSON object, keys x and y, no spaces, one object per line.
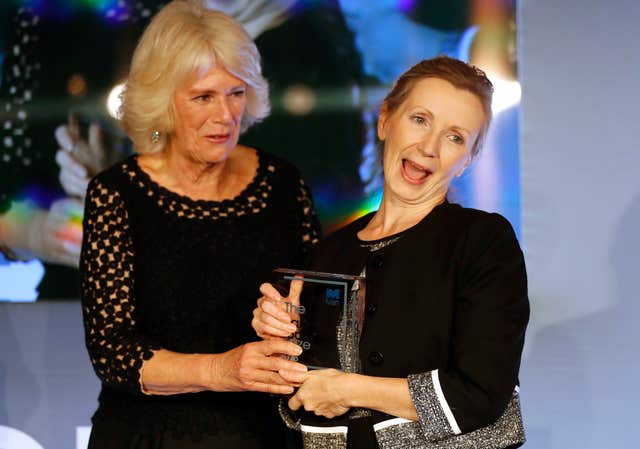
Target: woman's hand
{"x":274,"y":316}
{"x":321,"y":392}
{"x":255,"y":366}
{"x":53,"y":235}
{"x":332,"y":393}
{"x":79,"y":159}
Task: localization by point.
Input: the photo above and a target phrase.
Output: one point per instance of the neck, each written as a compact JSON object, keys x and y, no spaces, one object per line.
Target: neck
{"x":194,"y":179}
{"x":192,"y":174}
{"x":395,"y":216}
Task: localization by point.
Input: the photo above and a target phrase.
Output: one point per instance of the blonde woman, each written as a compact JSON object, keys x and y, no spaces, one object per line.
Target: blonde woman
{"x":178,"y":237}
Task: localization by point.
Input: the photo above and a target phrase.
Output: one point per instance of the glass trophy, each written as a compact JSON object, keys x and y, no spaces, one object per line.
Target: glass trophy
{"x":328,"y":311}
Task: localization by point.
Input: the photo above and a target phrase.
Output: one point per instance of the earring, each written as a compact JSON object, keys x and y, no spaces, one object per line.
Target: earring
{"x":155,"y":136}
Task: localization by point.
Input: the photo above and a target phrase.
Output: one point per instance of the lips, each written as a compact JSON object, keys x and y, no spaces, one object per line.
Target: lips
{"x":414,"y":173}
{"x":218,"y":138}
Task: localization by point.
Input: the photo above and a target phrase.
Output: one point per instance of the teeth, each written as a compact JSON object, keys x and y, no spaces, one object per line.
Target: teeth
{"x":415,"y":171}
{"x":416,"y":166}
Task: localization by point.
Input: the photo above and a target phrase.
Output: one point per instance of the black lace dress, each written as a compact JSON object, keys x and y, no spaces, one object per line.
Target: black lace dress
{"x":160,"y":270}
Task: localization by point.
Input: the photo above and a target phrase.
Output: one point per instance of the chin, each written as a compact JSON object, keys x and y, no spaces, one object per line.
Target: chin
{"x":213,"y":156}
{"x":416,"y":194}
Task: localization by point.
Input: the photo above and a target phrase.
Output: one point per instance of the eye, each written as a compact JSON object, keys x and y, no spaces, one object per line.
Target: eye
{"x":457,"y":139}
{"x":418,"y":119}
{"x":204,"y":98}
{"x":238,"y":93}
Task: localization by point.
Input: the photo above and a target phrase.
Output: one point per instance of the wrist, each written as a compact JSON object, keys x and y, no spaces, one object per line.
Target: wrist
{"x":210,"y":369}
{"x":349,"y":389}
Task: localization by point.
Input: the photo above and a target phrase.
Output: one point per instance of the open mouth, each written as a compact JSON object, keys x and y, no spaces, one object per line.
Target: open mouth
{"x":218,"y":138}
{"x":414,"y":173}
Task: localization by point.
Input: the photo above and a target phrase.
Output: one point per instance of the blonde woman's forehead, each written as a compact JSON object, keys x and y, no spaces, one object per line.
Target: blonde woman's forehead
{"x":216,"y":77}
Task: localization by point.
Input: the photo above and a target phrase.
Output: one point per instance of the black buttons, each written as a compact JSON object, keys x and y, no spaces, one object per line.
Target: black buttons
{"x":378,"y":262}
{"x":376,"y":358}
{"x":371,"y":309}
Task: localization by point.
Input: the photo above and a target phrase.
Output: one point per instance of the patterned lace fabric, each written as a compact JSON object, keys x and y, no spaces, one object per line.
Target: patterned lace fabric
{"x":117,"y":349}
{"x":160,"y":270}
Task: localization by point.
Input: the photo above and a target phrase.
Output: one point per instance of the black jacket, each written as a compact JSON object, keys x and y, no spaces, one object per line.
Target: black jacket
{"x":447,"y":308}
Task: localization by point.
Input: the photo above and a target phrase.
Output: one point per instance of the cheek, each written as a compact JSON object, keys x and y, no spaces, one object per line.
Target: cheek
{"x":389,"y":154}
{"x":191,"y":118}
{"x":198,"y":119}
{"x":239,"y":109}
{"x":457,"y":161}
{"x":406,"y":134}
{"x":396,"y":139}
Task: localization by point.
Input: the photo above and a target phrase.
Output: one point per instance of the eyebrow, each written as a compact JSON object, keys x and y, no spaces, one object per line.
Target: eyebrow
{"x":423,"y":110}
{"x":198,"y":90}
{"x":460,"y":128}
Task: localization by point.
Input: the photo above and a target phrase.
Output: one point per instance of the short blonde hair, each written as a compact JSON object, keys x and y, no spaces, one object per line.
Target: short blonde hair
{"x":183,"y":38}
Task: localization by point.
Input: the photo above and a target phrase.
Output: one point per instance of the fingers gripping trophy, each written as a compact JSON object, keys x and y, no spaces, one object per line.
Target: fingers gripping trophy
{"x":326,"y":312}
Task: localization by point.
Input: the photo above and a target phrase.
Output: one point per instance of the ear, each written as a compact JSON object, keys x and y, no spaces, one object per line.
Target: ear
{"x":382,"y":121}
{"x":464,"y":167}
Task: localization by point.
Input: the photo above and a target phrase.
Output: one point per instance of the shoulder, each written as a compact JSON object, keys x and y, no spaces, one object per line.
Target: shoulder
{"x":461,"y":233}
{"x":113,"y":178}
{"x":489,"y":226}
{"x":345,"y":235}
{"x":277,"y":166}
{"x":484,"y":239}
{"x":474,"y":222}
{"x":284,"y":178}
{"x":340,"y":251}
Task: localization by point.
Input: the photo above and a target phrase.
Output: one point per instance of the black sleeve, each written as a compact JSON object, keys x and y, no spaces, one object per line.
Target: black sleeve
{"x":116,"y":348}
{"x":491,"y":314}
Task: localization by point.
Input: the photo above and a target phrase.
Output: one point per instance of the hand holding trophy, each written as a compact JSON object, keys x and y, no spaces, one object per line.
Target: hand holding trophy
{"x":321,"y":312}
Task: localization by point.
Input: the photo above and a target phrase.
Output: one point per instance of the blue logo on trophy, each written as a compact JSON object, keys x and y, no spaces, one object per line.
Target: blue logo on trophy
{"x":332,"y":296}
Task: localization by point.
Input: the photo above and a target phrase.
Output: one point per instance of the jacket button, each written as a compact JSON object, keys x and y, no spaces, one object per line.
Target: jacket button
{"x":371,"y":309}
{"x":376,"y":358}
{"x":378,"y":262}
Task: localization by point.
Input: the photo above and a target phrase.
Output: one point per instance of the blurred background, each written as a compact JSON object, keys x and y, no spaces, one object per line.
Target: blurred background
{"x":329,"y":64}
{"x":560,"y":163}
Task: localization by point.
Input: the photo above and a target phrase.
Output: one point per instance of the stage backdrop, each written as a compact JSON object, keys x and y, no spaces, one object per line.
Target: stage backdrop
{"x":326,"y":87}
{"x":579,"y":65}
{"x":327,"y":83}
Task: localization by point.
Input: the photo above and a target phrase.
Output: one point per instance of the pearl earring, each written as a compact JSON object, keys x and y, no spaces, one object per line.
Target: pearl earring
{"x":155,"y":136}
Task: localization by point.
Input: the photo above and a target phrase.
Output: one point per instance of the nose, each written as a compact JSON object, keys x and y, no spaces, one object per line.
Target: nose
{"x":428,"y":144}
{"x":222,"y":112}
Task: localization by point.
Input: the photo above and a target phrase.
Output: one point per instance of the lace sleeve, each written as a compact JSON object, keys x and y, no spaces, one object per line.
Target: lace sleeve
{"x":310,"y":226}
{"x":116,"y":348}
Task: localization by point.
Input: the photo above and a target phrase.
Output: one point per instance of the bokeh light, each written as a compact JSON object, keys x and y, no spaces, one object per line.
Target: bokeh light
{"x":114,"y":101}
{"x":76,"y":85}
{"x":299,"y":100}
{"x":505,"y":94}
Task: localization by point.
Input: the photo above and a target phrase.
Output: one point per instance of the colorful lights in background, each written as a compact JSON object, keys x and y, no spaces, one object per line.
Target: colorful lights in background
{"x":488,"y":41}
{"x":43,"y":7}
{"x":390,"y":35}
{"x":61,"y":9}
